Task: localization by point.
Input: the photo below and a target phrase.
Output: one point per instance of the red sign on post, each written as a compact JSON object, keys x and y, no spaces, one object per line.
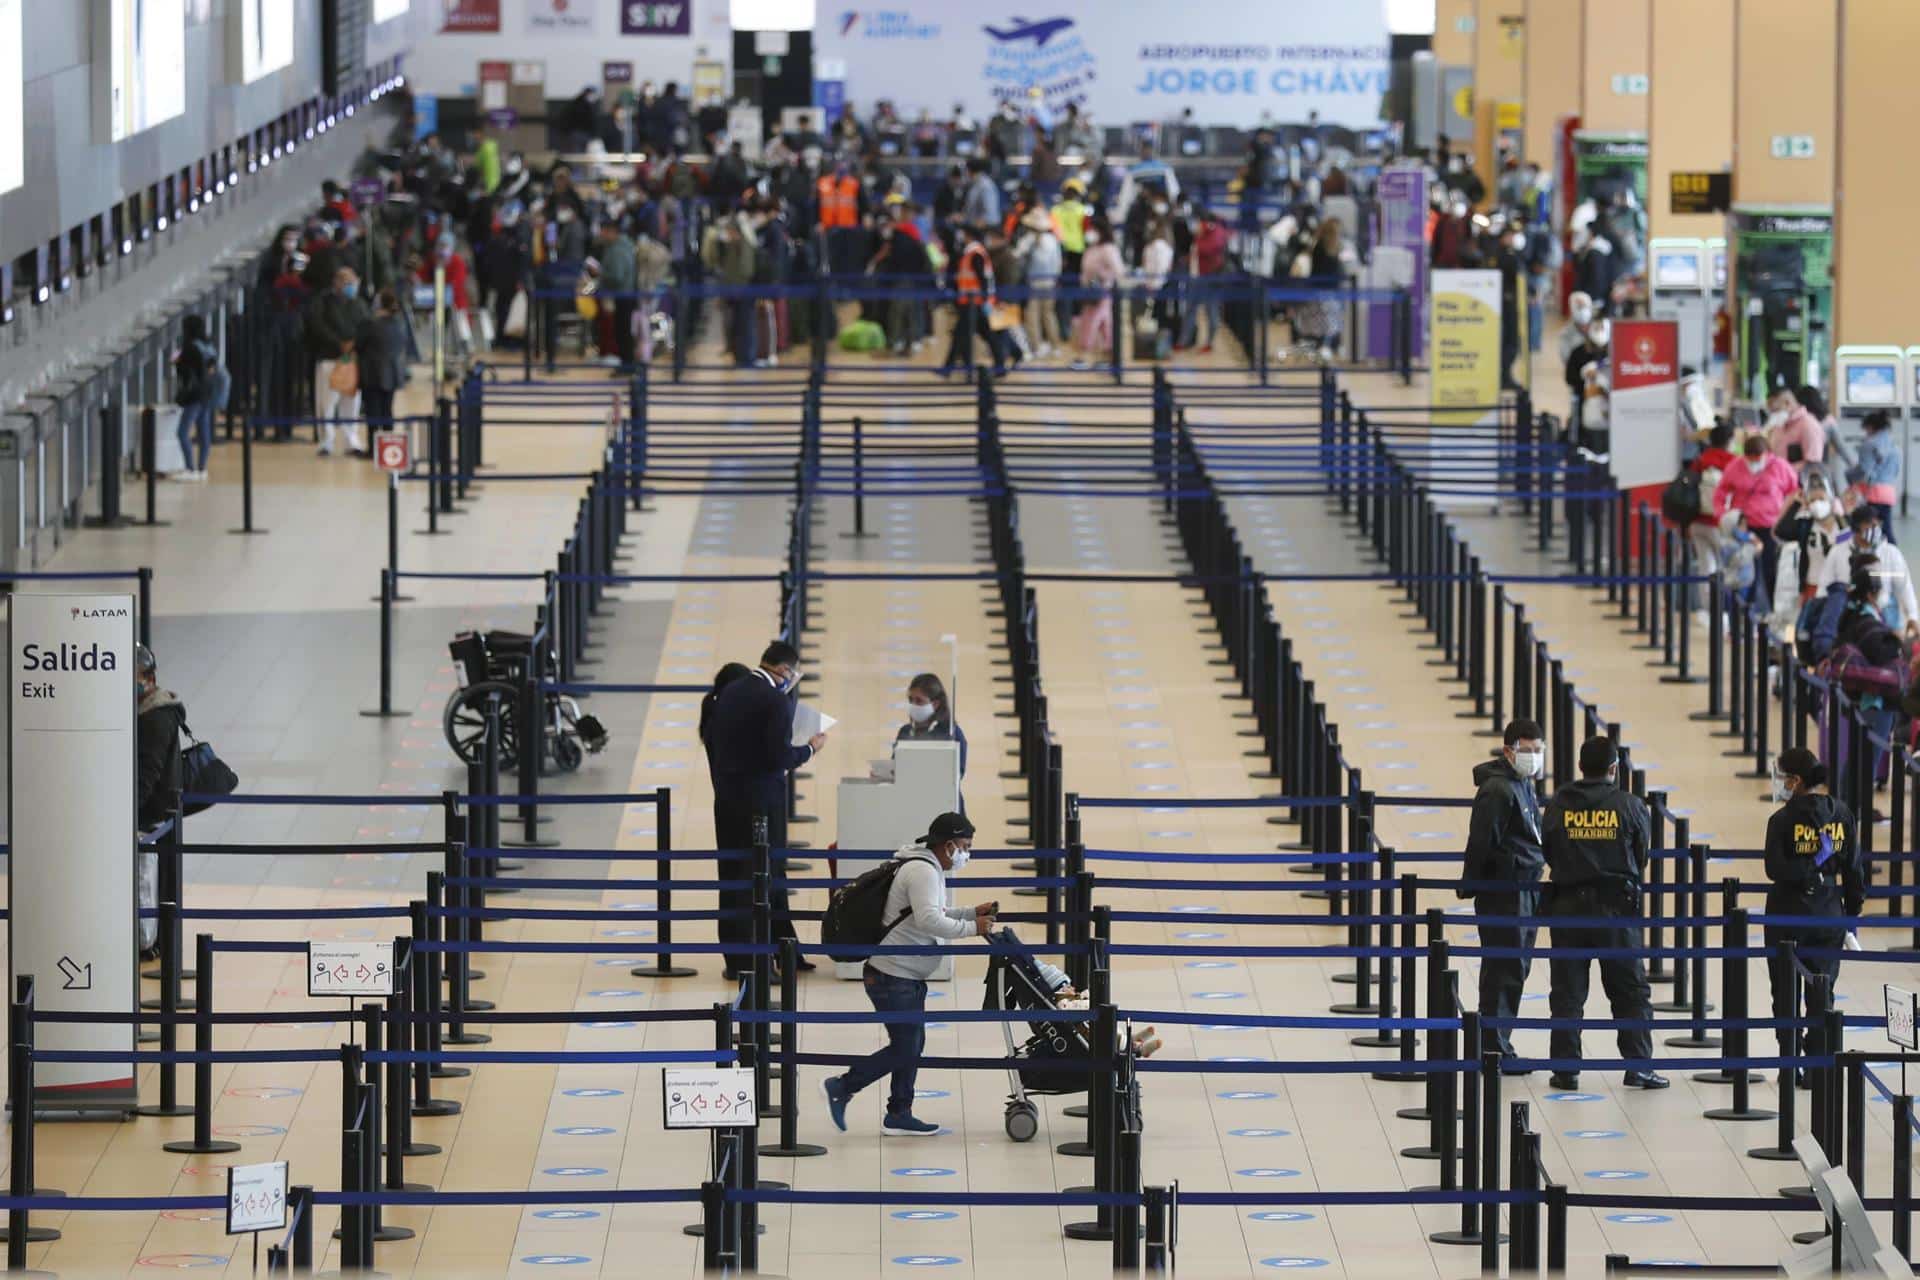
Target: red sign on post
{"x":1643,"y":404}
{"x":392,"y":451}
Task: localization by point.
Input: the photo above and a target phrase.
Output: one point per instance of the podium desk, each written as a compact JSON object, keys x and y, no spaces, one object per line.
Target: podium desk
{"x":877,"y":814}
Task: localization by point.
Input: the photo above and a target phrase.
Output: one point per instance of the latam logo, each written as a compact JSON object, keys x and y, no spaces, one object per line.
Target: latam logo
{"x":887,"y":24}
{"x":78,"y":613}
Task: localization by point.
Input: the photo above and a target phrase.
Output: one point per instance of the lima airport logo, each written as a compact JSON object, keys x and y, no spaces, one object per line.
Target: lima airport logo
{"x":886,"y":24}
{"x":1043,"y":58}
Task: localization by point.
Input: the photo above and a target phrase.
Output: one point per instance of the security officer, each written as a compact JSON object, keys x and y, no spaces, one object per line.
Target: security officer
{"x":1503,"y":849}
{"x":1813,"y":862}
{"x":1597,"y":837}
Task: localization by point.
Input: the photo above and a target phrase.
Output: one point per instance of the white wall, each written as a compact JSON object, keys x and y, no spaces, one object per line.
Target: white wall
{"x":448,"y":65}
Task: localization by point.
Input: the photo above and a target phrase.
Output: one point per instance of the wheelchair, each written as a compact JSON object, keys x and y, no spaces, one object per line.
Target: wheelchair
{"x":491,"y":667}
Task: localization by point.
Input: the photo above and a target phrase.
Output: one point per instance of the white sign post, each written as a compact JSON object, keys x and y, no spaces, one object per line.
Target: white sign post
{"x":71,"y":815}
{"x":256,"y":1197}
{"x":353,"y":970}
{"x":707,"y":1098}
{"x":1903,"y":1023}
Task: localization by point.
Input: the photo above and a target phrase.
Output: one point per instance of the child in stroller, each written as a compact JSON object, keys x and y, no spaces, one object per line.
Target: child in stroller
{"x":1018,"y":979}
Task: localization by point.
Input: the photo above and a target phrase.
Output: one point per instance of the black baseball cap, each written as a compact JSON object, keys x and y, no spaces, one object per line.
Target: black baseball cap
{"x":948,"y":826}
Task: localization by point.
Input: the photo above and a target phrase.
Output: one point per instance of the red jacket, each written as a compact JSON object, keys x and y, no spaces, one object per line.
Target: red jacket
{"x":456,"y":280}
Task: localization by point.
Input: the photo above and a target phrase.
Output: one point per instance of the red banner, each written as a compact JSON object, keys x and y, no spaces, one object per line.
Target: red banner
{"x":1645,"y":353}
{"x":470,"y":16}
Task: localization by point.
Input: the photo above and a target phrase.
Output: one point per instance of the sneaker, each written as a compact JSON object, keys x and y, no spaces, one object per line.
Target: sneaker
{"x":1646,"y":1080}
{"x":1564,"y":1080}
{"x":907,"y":1126}
{"x":834,"y":1090}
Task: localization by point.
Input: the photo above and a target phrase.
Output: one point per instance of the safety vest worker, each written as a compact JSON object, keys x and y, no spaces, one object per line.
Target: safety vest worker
{"x":838,"y":195}
{"x":1070,"y":222}
{"x":973,"y":277}
{"x":1596,"y":837}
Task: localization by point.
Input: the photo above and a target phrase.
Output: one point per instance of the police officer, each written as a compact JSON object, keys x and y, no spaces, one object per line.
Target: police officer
{"x":1813,"y":862}
{"x":1597,"y":837}
{"x":1503,"y":854}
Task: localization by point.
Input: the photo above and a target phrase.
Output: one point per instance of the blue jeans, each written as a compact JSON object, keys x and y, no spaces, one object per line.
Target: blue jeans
{"x":906,"y":1041}
{"x":201,"y":413}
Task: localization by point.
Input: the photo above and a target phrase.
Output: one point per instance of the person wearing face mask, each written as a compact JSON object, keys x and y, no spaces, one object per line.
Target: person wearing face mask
{"x":749,"y":741}
{"x":1813,"y":869}
{"x":332,"y":321}
{"x":1586,"y":381}
{"x":1896,"y":600}
{"x":1877,"y":470}
{"x":916,"y":914}
{"x":930,"y":717}
{"x":1100,"y":268}
{"x":1792,"y":432}
{"x":1758,"y":488}
{"x":1809,"y":527}
{"x":1596,"y":839}
{"x":1502,"y":870}
{"x":159,"y":718}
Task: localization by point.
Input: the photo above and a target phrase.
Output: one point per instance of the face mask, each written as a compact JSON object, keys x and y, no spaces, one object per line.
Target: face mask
{"x":1777,"y":786}
{"x":1093,"y":237}
{"x":565,"y":216}
{"x":1777,"y":418}
{"x":1583,"y":316}
{"x":1820,"y":508}
{"x":920,"y":712}
{"x":792,"y":681}
{"x":1869,"y":537}
{"x":960,"y":857}
{"x":1518,"y":240}
{"x":349,"y":290}
{"x":1756,"y":465}
{"x":1530,"y":764}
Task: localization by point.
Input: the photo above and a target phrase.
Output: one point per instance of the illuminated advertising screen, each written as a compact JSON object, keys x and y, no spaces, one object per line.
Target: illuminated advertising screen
{"x":143,"y":64}
{"x":264,"y":29}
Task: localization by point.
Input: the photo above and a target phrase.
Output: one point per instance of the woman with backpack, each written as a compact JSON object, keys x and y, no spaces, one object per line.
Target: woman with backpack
{"x":198,"y":380}
{"x":1812,"y":522}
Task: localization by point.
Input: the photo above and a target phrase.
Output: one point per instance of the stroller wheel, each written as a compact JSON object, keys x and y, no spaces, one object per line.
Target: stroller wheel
{"x":1023,"y":1121}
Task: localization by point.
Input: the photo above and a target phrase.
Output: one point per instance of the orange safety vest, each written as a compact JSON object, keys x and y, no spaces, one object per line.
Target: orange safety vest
{"x":839,"y":201}
{"x":973,"y":278}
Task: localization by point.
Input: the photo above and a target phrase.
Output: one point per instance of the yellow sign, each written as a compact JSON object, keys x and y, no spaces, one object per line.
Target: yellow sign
{"x":1465,"y":377}
{"x":1506,"y":115}
{"x":1463,"y":103}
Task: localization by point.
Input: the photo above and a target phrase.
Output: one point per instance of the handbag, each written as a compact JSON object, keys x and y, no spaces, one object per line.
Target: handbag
{"x":345,"y":376}
{"x":203,"y":772}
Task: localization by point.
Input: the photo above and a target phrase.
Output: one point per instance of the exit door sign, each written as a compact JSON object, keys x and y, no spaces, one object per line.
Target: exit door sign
{"x":1792,"y":146}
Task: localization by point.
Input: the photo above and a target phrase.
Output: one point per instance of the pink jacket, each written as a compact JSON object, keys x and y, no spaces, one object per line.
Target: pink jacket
{"x":1760,"y":498}
{"x":1805,"y":430}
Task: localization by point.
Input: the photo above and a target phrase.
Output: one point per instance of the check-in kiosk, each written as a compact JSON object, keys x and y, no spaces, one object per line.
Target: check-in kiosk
{"x":1868,"y":380}
{"x":1677,"y":291}
{"x":878,"y":813}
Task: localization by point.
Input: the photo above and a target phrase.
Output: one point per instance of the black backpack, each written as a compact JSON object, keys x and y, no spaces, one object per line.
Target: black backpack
{"x":856,"y":911}
{"x":1680,"y":502}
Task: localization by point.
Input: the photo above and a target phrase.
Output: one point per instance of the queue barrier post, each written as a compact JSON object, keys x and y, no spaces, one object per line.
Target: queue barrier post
{"x":300,"y":1206}
{"x":203,"y":1143}
{"x":1903,"y":1174}
{"x":1440,"y":1004}
{"x":790,"y":1146}
{"x":1490,"y":1161}
{"x":663,"y":965}
{"x":1855,"y":1065}
{"x":1156,"y":1207}
{"x":401,"y":1036}
{"x":169,"y":1006}
{"x":20,"y":1232}
{"x":385,"y":710}
{"x":1556,"y":1194}
{"x":1409,"y":986}
{"x":462,"y":927}
{"x":425,"y":916}
{"x":1696,"y":1037}
{"x":1102,"y":1122}
{"x":1734,"y":990}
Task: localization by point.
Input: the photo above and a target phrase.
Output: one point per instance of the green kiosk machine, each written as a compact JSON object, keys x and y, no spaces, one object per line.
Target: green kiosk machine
{"x":1782,"y":308}
{"x":1606,"y":163}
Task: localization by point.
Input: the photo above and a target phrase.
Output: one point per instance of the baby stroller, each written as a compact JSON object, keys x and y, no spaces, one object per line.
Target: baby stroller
{"x":491,"y":667}
{"x":1014,"y":982}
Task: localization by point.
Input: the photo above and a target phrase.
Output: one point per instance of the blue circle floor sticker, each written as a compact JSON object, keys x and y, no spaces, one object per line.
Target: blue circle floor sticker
{"x":922,"y":1171}
{"x":1293,"y":1262}
{"x":565,"y":1215}
{"x":926,"y":1260}
{"x":556,"y":1259}
{"x":924,"y":1215}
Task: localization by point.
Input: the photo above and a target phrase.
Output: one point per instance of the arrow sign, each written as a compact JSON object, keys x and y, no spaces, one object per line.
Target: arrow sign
{"x":78,"y":977}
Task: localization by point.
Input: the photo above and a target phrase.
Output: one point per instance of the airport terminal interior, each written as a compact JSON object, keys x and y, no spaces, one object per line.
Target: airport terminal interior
{"x":729,"y":637}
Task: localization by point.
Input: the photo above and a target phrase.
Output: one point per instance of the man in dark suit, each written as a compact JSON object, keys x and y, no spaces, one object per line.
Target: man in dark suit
{"x":750,"y":739}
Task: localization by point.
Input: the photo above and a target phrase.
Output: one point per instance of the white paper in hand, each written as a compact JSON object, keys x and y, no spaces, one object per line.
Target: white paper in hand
{"x":809,"y":720}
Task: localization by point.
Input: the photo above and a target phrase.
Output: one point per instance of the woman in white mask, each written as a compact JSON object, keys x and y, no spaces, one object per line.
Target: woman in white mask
{"x":1807,"y":530}
{"x":930,"y":716}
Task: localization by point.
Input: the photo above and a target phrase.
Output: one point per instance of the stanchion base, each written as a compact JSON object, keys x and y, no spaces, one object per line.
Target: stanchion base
{"x":1797,"y":1193}
{"x":468,"y":1037}
{"x":1078,"y":1111}
{"x":251,"y":532}
{"x":157,"y":1110}
{"x":1375,"y":1042}
{"x":1031,"y":893}
{"x":1810,"y":1237}
{"x":1707,"y":715}
{"x":477,"y":1005}
{"x":35,"y":1235}
{"x":414,"y":1150}
{"x":1346,"y":979}
{"x":438,"y":1072}
{"x":1694,"y":1042}
{"x":665,"y":971}
{"x":501,"y":864}
{"x":1399,"y":1077}
{"x":147,"y":1037}
{"x":1722,"y":1077}
{"x":1751,"y":1113}
{"x":1086,"y":1231}
{"x":698,"y":1229}
{"x":153,"y":1005}
{"x":797,"y":1151}
{"x":1025,"y":864}
{"x":473,"y":975}
{"x":384,"y":1234}
{"x":1075,"y":1148}
{"x":1422,"y":1153}
{"x":385,"y":715}
{"x":1350,"y":1008}
{"x":1458,"y":1237}
{"x":217,"y":1147}
{"x":1672,"y":1006}
{"x":529,"y":844}
{"x":796,"y":864}
{"x":1772,"y":1153}
{"x":1679,"y":679}
{"x":434,"y":1107}
{"x":1421,"y":1113}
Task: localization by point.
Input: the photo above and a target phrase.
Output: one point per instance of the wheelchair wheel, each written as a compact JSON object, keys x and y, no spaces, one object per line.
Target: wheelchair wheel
{"x":465,"y":720}
{"x":567,"y":752}
{"x":1023,"y":1120}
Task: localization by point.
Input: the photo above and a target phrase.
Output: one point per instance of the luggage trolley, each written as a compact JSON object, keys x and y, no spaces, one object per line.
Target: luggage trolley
{"x":492,"y":665}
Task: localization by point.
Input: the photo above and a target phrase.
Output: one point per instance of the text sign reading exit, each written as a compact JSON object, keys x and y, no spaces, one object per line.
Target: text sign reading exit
{"x":707,"y":1097}
{"x":351,"y":969}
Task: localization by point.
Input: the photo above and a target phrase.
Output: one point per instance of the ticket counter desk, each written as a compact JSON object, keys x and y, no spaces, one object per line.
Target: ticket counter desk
{"x":877,"y":813}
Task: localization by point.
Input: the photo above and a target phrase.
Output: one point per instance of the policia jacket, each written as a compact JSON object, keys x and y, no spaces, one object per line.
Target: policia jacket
{"x":1596,"y":839}
{"x":1813,"y":858}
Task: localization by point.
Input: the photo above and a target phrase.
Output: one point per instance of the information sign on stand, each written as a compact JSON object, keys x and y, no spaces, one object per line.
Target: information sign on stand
{"x":1903,"y":1017}
{"x":71,"y":811}
{"x":392,"y":451}
{"x":256,"y":1197}
{"x":707,"y":1098}
{"x":352,"y":970}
